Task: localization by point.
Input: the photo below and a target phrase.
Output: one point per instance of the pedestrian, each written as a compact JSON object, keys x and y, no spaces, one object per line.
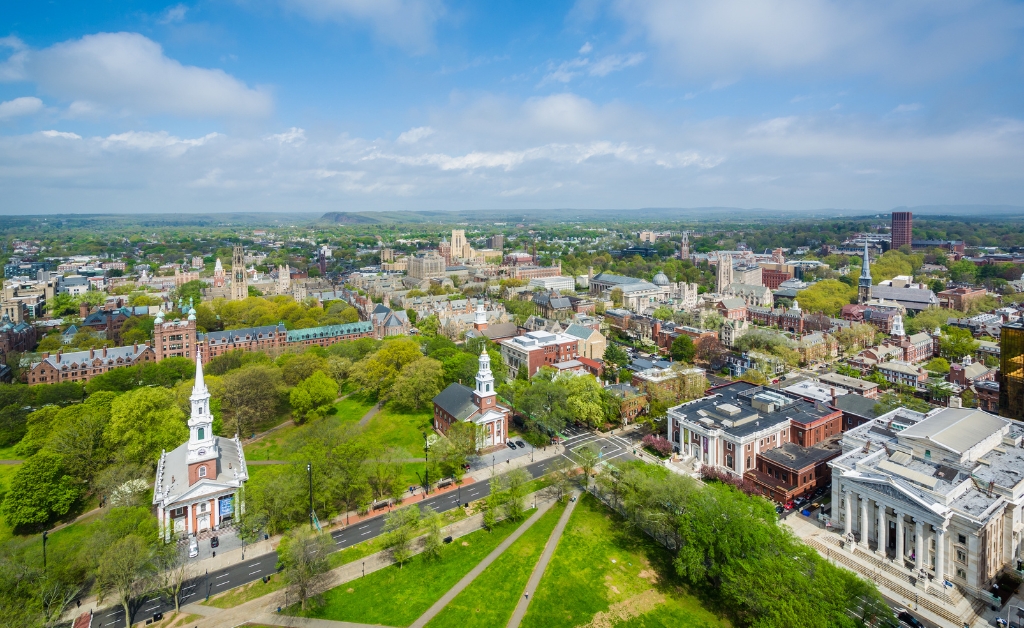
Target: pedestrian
{"x":527,"y":595}
{"x":79,"y":602}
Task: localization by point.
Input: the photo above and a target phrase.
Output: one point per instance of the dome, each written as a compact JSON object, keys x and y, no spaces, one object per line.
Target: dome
{"x":660,"y":279}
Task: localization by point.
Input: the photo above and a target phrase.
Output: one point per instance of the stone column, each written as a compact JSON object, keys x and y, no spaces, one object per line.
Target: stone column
{"x":919,"y":550}
{"x":214,"y":513}
{"x":899,"y":537}
{"x":883,"y":529}
{"x":849,"y":513}
{"x":865,"y":522}
{"x":188,"y":519}
{"x":161,"y":522}
{"x":940,"y":554}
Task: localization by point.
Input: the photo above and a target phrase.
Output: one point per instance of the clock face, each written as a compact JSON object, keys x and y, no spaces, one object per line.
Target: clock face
{"x":201,"y":452}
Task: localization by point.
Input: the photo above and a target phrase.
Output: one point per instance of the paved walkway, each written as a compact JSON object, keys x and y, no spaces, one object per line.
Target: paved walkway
{"x":476,"y":571}
{"x":542,"y":564}
{"x":372,"y":412}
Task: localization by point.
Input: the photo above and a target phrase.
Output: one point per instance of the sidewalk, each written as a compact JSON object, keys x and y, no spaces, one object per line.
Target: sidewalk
{"x":542,"y":563}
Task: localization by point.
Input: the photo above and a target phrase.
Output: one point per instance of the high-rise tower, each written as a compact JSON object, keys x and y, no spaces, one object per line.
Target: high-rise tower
{"x":239,"y":281}
{"x":901,"y":229}
{"x":864,"y":284}
{"x":723,"y":273}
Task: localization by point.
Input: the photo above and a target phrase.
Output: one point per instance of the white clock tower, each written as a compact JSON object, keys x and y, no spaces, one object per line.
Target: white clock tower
{"x":202,"y":445}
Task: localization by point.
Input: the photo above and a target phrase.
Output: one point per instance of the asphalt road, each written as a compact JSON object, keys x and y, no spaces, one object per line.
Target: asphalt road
{"x":214,"y":582}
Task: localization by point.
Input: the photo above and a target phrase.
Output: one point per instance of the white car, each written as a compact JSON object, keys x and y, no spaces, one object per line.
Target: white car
{"x":193,"y":547}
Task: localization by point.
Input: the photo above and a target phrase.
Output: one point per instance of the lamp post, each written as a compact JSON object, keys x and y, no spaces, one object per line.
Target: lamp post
{"x":458,"y":487}
{"x":309,"y":471}
{"x":46,"y":533}
{"x":426,"y":462}
{"x":492,"y":464}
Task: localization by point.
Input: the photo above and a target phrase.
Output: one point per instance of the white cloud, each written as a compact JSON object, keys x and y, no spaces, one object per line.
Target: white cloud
{"x":736,"y":36}
{"x":26,"y":105}
{"x":172,"y":15}
{"x":141,"y":140}
{"x":129,"y":72}
{"x":61,"y":134}
{"x":414,"y":135}
{"x":613,"y":63}
{"x":294,"y":135}
{"x":586,"y":48}
{"x":907,"y":108}
{"x":408,"y":24}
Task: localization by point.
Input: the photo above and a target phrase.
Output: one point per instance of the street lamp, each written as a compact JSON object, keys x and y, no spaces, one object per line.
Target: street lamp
{"x":458,"y":487}
{"x":309,"y":471}
{"x":426,"y":462}
{"x":45,"y":534}
{"x":492,"y":464}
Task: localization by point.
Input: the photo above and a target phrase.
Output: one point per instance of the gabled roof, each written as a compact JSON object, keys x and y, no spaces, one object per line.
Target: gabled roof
{"x":580,"y":331}
{"x":457,"y":400}
{"x":619,"y":280}
{"x":732,"y":303}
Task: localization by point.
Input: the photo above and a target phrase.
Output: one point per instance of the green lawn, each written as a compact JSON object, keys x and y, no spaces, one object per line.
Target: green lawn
{"x":7,"y":471}
{"x":281,"y":444}
{"x":397,"y":596}
{"x":374,"y":545}
{"x":7,"y":453}
{"x":600,"y":568}
{"x":402,"y":430}
{"x":492,"y":597}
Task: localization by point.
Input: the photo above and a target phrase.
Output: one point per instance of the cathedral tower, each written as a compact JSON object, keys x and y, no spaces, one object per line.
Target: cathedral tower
{"x":239,"y":281}
{"x":864,"y":285}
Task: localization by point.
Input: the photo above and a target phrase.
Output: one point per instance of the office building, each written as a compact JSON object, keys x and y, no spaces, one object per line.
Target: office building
{"x":901,"y":229}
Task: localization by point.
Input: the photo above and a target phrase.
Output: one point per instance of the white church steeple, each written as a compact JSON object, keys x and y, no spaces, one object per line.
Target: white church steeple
{"x":201,"y":443}
{"x":484,"y":395}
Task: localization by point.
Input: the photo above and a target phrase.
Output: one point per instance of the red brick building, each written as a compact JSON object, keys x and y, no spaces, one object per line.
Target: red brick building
{"x":902,"y":226}
{"x":81,"y":366}
{"x":535,"y":349}
{"x":790,"y":470}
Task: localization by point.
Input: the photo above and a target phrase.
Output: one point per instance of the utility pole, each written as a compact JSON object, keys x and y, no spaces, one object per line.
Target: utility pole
{"x":426,"y":462}
{"x":309,"y":471}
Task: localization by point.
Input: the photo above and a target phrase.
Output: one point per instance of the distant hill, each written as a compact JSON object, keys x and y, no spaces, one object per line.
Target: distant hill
{"x":346,"y":218}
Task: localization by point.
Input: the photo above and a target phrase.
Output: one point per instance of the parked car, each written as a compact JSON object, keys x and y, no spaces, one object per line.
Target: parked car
{"x":908,"y":619}
{"x":789,"y":505}
{"x":193,"y":547}
{"x":521,"y":444}
{"x":800,"y":501}
{"x":779,"y":509}
{"x":214,"y":542}
{"x":815,"y":505}
{"x":466,"y":466}
{"x":511,"y":445}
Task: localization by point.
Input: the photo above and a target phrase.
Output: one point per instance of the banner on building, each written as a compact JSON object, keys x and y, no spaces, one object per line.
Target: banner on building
{"x":227,"y":506}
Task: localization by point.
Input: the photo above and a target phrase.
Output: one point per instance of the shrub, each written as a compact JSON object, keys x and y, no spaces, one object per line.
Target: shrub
{"x":657,"y":444}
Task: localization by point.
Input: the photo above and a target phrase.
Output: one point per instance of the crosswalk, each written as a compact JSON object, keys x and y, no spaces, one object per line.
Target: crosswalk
{"x":610,"y":447}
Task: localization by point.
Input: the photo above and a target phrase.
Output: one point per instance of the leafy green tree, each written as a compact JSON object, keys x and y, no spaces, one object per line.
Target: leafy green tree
{"x":545,"y":402}
{"x":429,"y":325}
{"x":683,"y":349}
{"x":126,"y":569}
{"x":616,"y":355}
{"x":301,"y":366}
{"x":278,"y":494}
{"x":399,"y":531}
{"x":584,"y":398}
{"x":827,"y":297}
{"x":251,"y":397}
{"x":433,"y":542}
{"x":377,"y":372}
{"x":304,"y":556}
{"x":314,"y":394}
{"x":663,"y":313}
{"x":937,"y":365}
{"x":417,"y":384}
{"x":963,"y":271}
{"x":144,"y":422}
{"x":40,"y":490}
{"x":588,"y":457}
{"x":957,"y":343}
{"x":513,"y":486}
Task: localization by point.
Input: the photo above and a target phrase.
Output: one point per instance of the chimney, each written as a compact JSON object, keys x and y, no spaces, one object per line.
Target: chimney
{"x":46,"y":354}
{"x":104,"y":352}
{"x":92,"y":353}
{"x":135,"y":347}
{"x":59,"y":352}
{"x":83,"y":309}
{"x":833,"y":391}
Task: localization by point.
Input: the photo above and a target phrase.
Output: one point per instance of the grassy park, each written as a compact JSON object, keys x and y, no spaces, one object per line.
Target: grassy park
{"x":491,"y":598}
{"x":396,"y":596}
{"x":603,"y":574}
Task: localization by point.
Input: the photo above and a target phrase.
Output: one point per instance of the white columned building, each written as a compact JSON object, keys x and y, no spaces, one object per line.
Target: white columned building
{"x":938,"y":494}
{"x":198,"y":484}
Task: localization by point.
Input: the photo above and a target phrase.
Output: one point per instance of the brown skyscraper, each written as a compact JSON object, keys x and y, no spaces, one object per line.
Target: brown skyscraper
{"x":901,"y":229}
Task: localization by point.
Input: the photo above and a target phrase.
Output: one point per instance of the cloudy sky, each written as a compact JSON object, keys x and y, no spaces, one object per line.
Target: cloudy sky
{"x":316,"y":105}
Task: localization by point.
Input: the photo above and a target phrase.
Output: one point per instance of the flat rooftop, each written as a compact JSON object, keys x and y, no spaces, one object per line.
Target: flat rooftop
{"x":741,"y":408}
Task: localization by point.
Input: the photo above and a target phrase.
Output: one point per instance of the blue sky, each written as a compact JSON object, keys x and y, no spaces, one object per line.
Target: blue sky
{"x":317,"y":105}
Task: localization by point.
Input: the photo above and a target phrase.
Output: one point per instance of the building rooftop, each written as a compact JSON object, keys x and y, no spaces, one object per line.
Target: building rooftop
{"x":956,"y":429}
{"x":845,"y":381}
{"x":796,"y":457}
{"x":741,"y":408}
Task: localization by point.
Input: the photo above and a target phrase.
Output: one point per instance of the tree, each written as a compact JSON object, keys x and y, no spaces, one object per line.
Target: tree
{"x":143,"y":423}
{"x":709,"y":349}
{"x":113,"y":479}
{"x":937,"y":365}
{"x":891,"y":400}
{"x":827,"y":296}
{"x":545,"y":402}
{"x":957,"y":343}
{"x":304,"y":557}
{"x":429,"y":325}
{"x":55,"y":595}
{"x":125,"y":570}
{"x":39,"y":491}
{"x":384,"y":473}
{"x":376,"y":373}
{"x":175,"y":570}
{"x":616,"y":296}
{"x":588,"y":457}
{"x":560,"y":472}
{"x":313,"y":395}
{"x":616,"y":355}
{"x":683,"y":349}
{"x":417,"y":384}
{"x":301,"y":367}
{"x":514,"y":485}
{"x":433,"y":542}
{"x":584,"y":397}
{"x":963,"y":271}
{"x":663,"y":313}
{"x":399,"y":530}
{"x":250,"y":397}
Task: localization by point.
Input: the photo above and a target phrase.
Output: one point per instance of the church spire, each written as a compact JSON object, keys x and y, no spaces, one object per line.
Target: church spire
{"x":864,"y":285}
{"x":200,"y":386}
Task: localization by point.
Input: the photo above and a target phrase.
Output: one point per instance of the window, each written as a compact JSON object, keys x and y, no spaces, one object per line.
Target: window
{"x":201,"y":434}
{"x":960,"y":573}
{"x":202,"y":471}
{"x":728,"y":461}
{"x":961,"y":556}
{"x":748,"y":462}
{"x":927,"y":453}
{"x":961,"y":539}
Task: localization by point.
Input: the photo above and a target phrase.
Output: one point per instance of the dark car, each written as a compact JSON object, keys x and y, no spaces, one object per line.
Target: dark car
{"x":511,"y":445}
{"x":214,"y":542}
{"x":466,"y":466}
{"x":909,"y":619}
{"x":521,"y":444}
{"x":779,"y":509}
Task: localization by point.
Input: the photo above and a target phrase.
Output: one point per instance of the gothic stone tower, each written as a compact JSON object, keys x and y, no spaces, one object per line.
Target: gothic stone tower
{"x":724,"y":273}
{"x":864,"y":284}
{"x":239,"y":281}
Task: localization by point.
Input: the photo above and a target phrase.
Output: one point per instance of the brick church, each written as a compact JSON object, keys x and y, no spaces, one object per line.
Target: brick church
{"x":479,"y":406}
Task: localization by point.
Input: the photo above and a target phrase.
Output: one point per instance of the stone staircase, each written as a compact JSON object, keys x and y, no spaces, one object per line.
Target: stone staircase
{"x":882,"y":578}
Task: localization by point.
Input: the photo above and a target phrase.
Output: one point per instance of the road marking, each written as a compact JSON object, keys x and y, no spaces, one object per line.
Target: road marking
{"x":252,"y":573}
{"x":361,"y":527}
{"x":365,"y":533}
